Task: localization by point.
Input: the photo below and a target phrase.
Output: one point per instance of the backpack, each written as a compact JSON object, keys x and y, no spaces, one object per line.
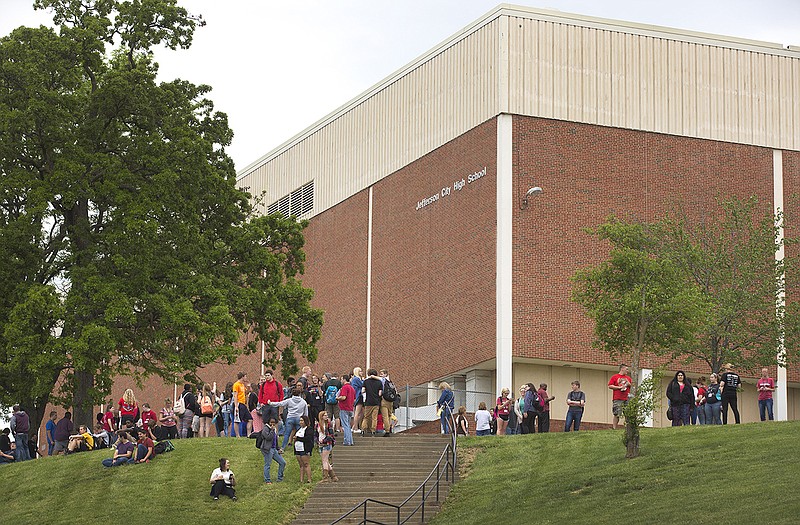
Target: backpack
{"x":162,"y":447}
{"x":259,"y":439}
{"x":389,"y":391}
{"x":180,"y":406}
{"x":396,"y":402}
{"x":330,"y":395}
{"x":206,"y":406}
{"x":537,"y":404}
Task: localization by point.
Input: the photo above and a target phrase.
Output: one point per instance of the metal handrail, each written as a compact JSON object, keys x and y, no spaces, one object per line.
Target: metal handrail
{"x":449,"y":456}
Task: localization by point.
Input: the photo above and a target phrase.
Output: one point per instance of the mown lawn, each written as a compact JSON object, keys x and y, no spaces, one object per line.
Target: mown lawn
{"x":173,"y":488}
{"x":724,"y":474}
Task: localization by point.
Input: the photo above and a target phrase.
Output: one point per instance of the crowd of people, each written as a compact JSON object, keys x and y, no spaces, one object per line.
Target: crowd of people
{"x":706,"y":401}
{"x":310,"y":411}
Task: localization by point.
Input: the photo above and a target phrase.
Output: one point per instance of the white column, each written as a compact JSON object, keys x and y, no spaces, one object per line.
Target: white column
{"x":647,"y":373}
{"x":505,"y":215}
{"x":369,"y":278}
{"x":781,"y":394}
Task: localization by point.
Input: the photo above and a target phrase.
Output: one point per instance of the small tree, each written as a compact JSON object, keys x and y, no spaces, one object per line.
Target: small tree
{"x":643,"y":403}
{"x":639,"y":301}
{"x":730,"y":259}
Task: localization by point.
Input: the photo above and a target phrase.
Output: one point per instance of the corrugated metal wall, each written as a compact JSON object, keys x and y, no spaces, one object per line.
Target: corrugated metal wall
{"x":618,"y":79}
{"x":444,"y":96}
{"x":541,"y":64}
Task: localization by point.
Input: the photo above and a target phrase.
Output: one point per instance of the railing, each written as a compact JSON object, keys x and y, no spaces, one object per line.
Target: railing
{"x":446,"y":466}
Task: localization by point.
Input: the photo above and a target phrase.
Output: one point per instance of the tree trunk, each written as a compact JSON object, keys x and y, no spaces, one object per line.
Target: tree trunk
{"x":631,"y":440}
{"x":82,"y":404}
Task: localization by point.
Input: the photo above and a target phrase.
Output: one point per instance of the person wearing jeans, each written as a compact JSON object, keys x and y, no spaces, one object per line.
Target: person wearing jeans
{"x":576,"y":400}
{"x":297,"y":407}
{"x":347,"y":398}
{"x":269,"y":449}
{"x":766,"y":386}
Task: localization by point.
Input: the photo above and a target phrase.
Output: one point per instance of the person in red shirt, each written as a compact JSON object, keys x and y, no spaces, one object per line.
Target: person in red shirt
{"x":127,"y":407}
{"x":347,"y":398}
{"x":766,"y":386}
{"x":270,"y":390}
{"x":108,"y":420}
{"x":144,"y":448}
{"x":544,"y":416}
{"x":620,"y":384}
{"x":146,"y":415}
{"x":699,"y":413}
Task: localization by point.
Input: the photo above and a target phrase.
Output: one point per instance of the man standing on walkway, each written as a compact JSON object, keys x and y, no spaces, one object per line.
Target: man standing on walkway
{"x":766,"y":386}
{"x":388,"y":395}
{"x":620,"y":383}
{"x":347,"y":398}
{"x":372,"y":403}
{"x":330,"y":389}
{"x":544,"y":415}
{"x":20,"y":426}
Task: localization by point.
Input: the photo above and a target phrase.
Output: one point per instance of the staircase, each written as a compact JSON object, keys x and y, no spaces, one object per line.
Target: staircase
{"x":385,"y":469}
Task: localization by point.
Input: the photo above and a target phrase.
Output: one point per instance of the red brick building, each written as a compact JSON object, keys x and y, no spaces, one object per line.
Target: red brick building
{"x":420,"y":249}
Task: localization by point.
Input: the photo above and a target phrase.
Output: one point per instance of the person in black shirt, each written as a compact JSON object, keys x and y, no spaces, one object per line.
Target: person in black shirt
{"x":372,"y":404}
{"x":729,"y":382}
{"x":6,"y":452}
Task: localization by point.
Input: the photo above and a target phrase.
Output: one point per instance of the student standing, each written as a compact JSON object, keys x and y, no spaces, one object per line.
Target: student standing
{"x":576,"y":401}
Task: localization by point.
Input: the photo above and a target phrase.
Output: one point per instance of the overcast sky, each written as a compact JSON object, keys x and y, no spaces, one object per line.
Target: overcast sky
{"x":279,"y":66}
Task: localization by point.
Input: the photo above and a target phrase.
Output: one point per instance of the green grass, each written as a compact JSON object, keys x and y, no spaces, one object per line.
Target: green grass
{"x":735,"y":473}
{"x":173,"y":488}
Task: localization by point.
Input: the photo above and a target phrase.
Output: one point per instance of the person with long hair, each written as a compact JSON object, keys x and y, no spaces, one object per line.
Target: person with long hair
{"x":326,"y":441}
{"x":303,"y":446}
{"x":357,"y":382}
{"x":206,"y":411}
{"x":712,"y":404}
{"x":681,"y":397}
{"x":128,"y":408}
{"x":502,"y":409}
{"x":729,"y":382}
{"x":226,"y":407}
{"x":169,"y":420}
{"x":445,"y":406}
{"x":223,"y":480}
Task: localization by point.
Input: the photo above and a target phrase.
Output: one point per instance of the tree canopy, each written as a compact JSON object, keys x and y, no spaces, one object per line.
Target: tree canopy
{"x":127,"y":247}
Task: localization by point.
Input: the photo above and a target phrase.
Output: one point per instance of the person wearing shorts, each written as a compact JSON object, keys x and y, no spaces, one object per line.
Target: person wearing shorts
{"x":620,"y":384}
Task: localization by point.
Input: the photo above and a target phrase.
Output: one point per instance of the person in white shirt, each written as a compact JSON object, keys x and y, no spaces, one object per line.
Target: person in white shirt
{"x":483,"y":421}
{"x":223,"y":481}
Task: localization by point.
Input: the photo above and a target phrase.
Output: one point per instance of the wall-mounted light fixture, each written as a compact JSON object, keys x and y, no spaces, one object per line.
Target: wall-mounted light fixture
{"x":536,"y":190}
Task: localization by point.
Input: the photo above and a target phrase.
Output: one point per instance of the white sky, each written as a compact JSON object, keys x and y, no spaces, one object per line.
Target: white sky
{"x":279,"y":66}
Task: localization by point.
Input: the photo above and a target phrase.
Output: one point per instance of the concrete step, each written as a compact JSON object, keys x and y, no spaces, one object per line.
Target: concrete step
{"x":384,"y":469}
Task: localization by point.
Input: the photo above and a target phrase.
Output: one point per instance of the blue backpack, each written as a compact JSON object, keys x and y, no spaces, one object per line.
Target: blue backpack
{"x":330,"y":395}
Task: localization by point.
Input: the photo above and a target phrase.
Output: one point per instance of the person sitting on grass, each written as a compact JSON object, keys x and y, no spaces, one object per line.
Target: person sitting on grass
{"x":101,"y":438}
{"x":124,"y":452}
{"x":83,"y":441}
{"x":223,"y":481}
{"x":144,"y":448}
{"x":7,"y":447}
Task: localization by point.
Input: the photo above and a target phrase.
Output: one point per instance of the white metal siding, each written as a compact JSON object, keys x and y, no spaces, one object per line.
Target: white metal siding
{"x":612,"y":78}
{"x":421,"y":110}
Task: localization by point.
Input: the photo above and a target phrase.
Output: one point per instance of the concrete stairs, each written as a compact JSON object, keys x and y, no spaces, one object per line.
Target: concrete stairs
{"x":387,"y":469}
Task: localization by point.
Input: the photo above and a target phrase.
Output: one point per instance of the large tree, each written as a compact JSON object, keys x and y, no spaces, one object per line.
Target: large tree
{"x":730,"y":257}
{"x":639,"y":302}
{"x":126,"y":246}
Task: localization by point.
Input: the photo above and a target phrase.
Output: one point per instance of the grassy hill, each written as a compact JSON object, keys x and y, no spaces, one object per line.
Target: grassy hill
{"x":173,"y":488}
{"x":701,"y":474}
{"x":726,"y":474}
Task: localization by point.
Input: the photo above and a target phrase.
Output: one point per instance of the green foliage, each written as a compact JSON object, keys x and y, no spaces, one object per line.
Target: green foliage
{"x":730,"y":259}
{"x":77,"y":489}
{"x":637,"y":298}
{"x":582,"y":478}
{"x":639,"y":409}
{"x":127,"y":247}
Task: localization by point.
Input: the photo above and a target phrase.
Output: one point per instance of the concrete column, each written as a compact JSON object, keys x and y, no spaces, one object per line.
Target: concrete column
{"x":781,"y":394}
{"x":505,"y":253}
